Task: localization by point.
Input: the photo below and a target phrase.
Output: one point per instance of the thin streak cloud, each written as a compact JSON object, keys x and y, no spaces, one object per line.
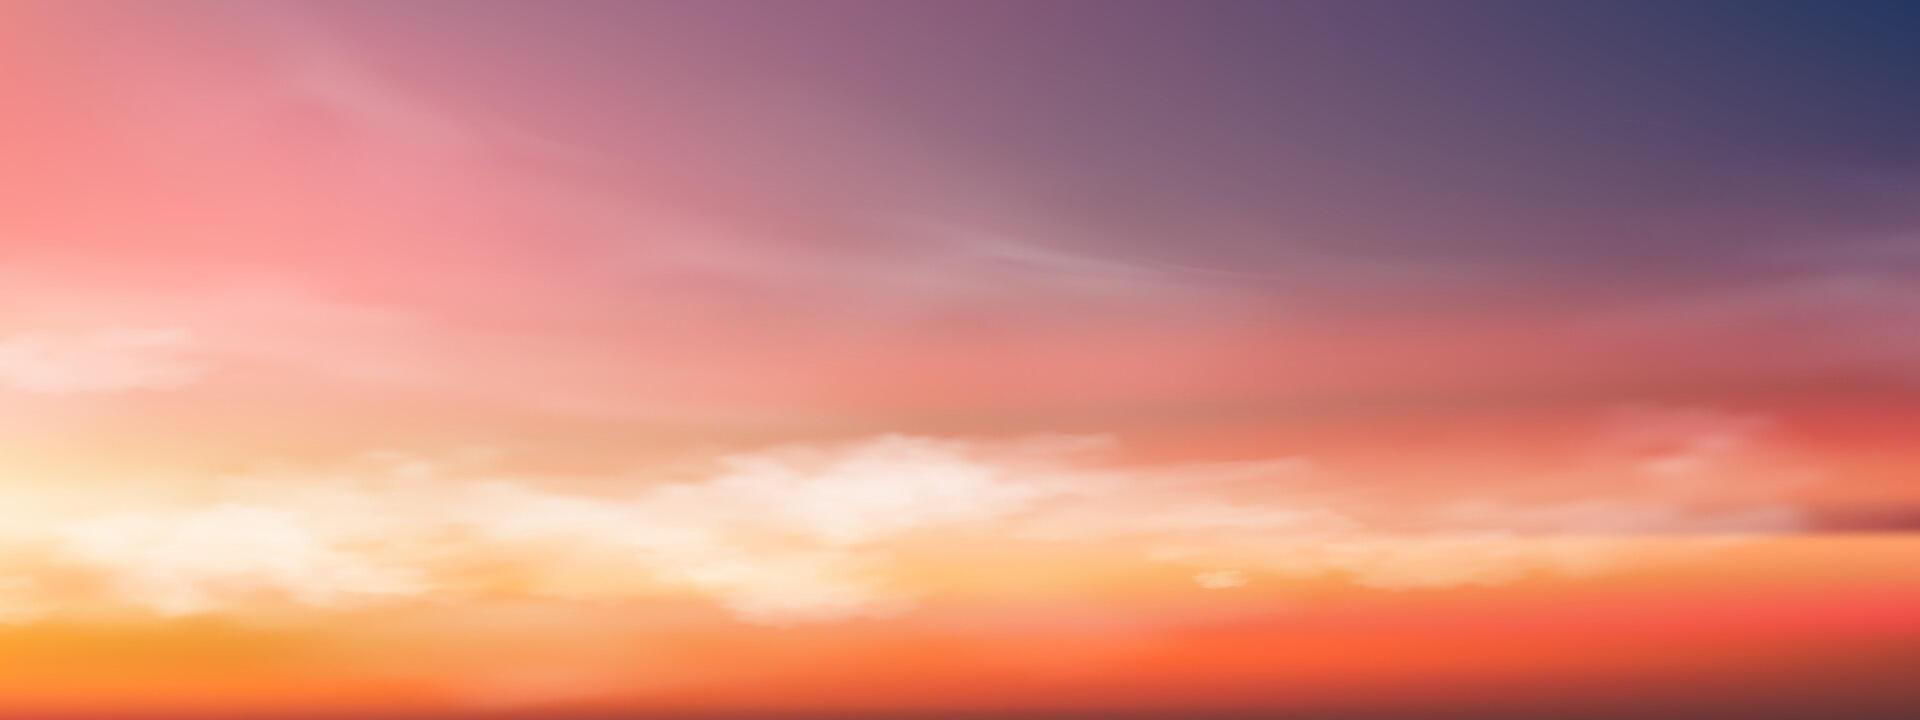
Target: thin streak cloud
{"x":99,"y":361}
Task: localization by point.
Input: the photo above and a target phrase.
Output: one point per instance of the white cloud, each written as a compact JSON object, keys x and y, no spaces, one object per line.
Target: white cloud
{"x":778,"y":535}
{"x":182,"y":562}
{"x":809,"y":533}
{"x":866,"y":491}
{"x":97,"y":362}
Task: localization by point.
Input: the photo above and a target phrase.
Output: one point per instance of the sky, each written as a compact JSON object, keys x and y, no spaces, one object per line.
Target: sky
{"x":1002,"y":359}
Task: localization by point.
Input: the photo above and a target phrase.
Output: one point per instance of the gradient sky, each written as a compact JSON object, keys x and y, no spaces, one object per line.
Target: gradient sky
{"x":1367,"y":359}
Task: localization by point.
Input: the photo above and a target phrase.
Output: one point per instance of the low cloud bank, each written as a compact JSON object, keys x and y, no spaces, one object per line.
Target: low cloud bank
{"x":820,"y":532}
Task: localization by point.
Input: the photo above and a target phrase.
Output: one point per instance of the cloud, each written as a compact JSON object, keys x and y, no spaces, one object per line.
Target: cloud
{"x":863,"y":492}
{"x":97,"y":362}
{"x":1220,"y":579}
{"x":332,"y":78}
{"x":1404,"y":562}
{"x":811,"y":533}
{"x":785,"y":534}
{"x":1672,"y":472}
{"x":183,"y":562}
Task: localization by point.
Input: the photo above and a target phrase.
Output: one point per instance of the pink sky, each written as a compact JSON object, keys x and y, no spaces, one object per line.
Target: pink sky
{"x":685,"y":348}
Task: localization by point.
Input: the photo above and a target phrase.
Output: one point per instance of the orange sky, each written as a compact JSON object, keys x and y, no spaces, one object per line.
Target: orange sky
{"x":1827,"y":613}
{"x":514,"y":358}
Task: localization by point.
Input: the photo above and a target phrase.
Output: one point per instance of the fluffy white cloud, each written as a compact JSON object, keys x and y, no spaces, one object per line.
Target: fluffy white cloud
{"x":181,"y":562}
{"x":813,"y":533}
{"x":778,"y":535}
{"x":97,"y":362}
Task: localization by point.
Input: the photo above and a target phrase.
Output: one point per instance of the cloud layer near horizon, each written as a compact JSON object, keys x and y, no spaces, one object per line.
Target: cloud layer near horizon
{"x":801,"y":533}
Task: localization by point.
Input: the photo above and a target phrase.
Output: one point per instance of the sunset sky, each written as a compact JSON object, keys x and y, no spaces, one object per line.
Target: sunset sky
{"x":990,"y":359}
